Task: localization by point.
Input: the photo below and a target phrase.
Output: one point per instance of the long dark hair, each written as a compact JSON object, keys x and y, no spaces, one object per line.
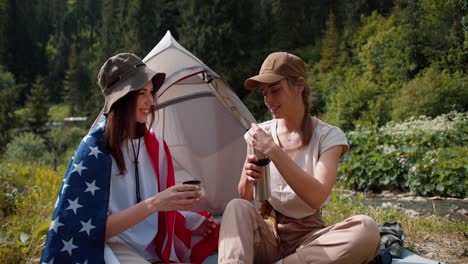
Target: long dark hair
{"x":121,"y":126}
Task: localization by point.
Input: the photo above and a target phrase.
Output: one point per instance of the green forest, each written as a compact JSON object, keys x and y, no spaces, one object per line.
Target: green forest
{"x":391,"y":73}
{"x":370,"y":64}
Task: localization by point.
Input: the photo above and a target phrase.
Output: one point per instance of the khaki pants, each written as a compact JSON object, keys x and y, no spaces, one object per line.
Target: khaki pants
{"x":245,"y":237}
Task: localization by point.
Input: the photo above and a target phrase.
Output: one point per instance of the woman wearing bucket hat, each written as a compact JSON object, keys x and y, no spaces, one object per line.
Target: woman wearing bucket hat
{"x":304,"y":153}
{"x":118,"y":200}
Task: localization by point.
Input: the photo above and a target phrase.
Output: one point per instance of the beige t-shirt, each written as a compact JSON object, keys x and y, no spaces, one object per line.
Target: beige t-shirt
{"x":283,"y":198}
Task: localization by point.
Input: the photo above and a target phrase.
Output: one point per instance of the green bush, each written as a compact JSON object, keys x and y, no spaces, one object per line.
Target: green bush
{"x":423,"y":156}
{"x":28,"y":148}
{"x":49,"y":149}
{"x":61,"y":139}
{"x":441,"y":172}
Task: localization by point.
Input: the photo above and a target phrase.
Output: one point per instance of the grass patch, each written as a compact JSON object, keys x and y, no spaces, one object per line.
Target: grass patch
{"x":424,"y":235}
{"x":22,"y":233}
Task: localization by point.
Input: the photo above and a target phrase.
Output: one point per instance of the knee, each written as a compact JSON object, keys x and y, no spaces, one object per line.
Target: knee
{"x":238,"y":206}
{"x":362,"y":242}
{"x":366,"y":231}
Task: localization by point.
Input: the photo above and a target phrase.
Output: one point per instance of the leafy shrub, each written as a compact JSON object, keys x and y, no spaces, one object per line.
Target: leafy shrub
{"x":49,"y":149}
{"x":60,"y":139}
{"x":441,"y":172}
{"x":28,"y":148}
{"x":424,"y":156}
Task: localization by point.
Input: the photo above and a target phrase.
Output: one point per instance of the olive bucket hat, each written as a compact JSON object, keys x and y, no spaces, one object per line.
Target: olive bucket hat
{"x":124,"y":73}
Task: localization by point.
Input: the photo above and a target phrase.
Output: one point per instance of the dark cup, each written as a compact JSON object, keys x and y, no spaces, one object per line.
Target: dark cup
{"x":192,"y":182}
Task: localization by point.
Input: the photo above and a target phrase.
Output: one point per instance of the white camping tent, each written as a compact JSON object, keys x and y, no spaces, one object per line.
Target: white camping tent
{"x":203,"y":122}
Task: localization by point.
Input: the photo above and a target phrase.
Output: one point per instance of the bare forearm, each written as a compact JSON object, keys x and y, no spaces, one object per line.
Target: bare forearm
{"x":306,"y":186}
{"x":176,"y":197}
{"x":120,"y":221}
{"x":245,"y":188}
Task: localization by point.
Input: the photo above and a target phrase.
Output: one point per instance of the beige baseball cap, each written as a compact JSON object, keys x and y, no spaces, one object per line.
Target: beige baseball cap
{"x":277,"y":66}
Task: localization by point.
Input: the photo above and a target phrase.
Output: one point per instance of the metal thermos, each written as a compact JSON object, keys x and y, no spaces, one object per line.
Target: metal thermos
{"x":262,"y":187}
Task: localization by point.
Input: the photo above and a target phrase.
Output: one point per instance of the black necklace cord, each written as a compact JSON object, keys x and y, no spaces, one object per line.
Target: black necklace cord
{"x":137,"y":178}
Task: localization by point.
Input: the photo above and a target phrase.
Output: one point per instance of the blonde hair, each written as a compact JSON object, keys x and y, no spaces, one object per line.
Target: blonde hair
{"x":306,"y":125}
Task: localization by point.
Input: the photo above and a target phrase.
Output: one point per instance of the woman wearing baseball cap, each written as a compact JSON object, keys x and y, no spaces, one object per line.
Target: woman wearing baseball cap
{"x":119,"y":201}
{"x":304,"y":153}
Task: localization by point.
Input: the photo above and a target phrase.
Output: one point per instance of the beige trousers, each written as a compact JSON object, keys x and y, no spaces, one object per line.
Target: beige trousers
{"x":245,"y":237}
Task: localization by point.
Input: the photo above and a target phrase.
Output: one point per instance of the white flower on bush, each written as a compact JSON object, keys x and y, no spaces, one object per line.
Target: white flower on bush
{"x":402,"y":160}
{"x":440,"y":124}
{"x":387,"y":149}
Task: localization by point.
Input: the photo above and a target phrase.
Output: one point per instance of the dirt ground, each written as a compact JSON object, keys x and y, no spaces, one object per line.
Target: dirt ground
{"x":444,"y":250}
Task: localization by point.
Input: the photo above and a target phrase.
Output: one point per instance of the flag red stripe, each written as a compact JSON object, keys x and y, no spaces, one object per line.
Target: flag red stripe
{"x":172,"y":222}
{"x":152,"y":146}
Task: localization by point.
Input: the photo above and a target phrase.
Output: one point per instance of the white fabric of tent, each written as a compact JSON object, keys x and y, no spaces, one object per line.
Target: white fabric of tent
{"x":203,"y":122}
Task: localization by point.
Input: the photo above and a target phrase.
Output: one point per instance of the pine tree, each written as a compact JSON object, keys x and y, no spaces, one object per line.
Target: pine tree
{"x":224,"y":35}
{"x":289,"y":24}
{"x":113,"y":28}
{"x":8,"y":98}
{"x":147,"y":22}
{"x":37,"y":110}
{"x":329,"y":54}
{"x":77,"y":85}
{"x":27,"y":30}
{"x":3,"y":21}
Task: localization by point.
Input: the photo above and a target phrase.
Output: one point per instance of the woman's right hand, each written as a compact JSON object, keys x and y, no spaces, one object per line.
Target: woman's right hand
{"x":177,"y":197}
{"x":252,"y":171}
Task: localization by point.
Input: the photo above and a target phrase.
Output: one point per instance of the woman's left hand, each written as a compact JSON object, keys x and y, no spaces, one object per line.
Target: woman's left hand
{"x":205,"y":228}
{"x":259,"y":139}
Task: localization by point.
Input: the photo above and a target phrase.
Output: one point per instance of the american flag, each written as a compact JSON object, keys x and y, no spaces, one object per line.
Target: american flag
{"x":76,"y":232}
